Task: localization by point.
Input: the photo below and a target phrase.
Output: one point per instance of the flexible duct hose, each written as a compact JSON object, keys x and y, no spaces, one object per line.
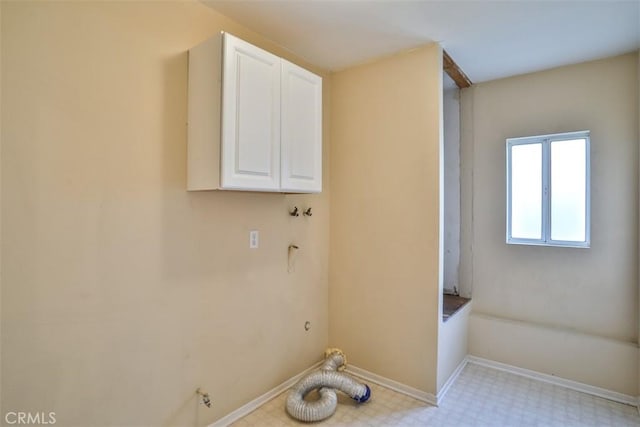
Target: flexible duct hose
{"x":327,"y":379}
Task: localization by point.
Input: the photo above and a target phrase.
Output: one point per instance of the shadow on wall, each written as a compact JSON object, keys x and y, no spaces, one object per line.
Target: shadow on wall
{"x":215,"y":292}
{"x":205,"y":244}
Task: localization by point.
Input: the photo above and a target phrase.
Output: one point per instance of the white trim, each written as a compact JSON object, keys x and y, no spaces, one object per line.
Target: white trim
{"x":452,"y":379}
{"x":246,"y":409}
{"x":428,"y":397}
{"x":562,"y":382}
{"x":545,"y":142}
{"x":420,"y":395}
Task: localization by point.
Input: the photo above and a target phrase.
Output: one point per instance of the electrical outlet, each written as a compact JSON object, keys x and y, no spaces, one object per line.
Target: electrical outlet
{"x":253,"y":239}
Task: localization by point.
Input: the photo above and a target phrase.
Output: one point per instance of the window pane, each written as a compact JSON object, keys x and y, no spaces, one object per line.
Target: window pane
{"x":526,"y":191}
{"x":568,"y":190}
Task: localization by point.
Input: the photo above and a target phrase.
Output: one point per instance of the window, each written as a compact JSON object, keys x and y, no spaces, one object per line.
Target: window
{"x":548,"y":190}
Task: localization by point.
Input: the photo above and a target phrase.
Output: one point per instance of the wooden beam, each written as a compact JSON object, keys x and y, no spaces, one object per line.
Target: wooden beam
{"x":452,"y":69}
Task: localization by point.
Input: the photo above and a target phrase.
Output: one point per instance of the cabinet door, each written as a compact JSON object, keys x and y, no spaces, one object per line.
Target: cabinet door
{"x":301,"y":152}
{"x":250,"y":158}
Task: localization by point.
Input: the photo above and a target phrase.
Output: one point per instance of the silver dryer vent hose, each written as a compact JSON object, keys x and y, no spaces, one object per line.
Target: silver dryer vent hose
{"x":327,"y":379}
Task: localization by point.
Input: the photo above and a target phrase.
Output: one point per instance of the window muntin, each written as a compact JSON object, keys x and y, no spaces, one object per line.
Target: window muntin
{"x":548,"y":190}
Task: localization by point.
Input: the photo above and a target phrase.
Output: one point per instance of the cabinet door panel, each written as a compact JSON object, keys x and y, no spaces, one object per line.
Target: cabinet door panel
{"x":301,"y":152}
{"x":250,"y":157}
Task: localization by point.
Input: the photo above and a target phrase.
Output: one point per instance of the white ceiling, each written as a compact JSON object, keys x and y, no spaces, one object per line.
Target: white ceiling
{"x":487,"y":39}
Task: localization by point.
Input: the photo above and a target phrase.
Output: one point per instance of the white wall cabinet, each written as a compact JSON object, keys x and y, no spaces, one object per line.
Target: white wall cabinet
{"x":255,"y":120}
{"x":250,"y":157}
{"x":301,"y":130}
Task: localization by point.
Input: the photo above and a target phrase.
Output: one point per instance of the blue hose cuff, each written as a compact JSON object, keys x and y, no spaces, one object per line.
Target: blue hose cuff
{"x":365,"y":397}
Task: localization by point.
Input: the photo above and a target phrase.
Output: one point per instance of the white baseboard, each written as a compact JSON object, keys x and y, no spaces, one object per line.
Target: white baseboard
{"x":452,"y":379}
{"x":562,"y":382}
{"x":393,"y":385}
{"x":259,"y":401}
{"x":428,"y":397}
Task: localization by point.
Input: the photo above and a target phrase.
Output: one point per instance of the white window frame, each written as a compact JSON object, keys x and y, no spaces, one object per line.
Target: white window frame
{"x":545,"y":141}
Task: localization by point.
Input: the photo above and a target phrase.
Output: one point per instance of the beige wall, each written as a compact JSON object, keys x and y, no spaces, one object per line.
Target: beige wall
{"x":453,"y":338}
{"x":451,"y":176}
{"x":385,"y":215}
{"x":587,"y":291}
{"x":465,"y":266}
{"x":0,"y":204}
{"x":597,"y":361}
{"x":121,"y":292}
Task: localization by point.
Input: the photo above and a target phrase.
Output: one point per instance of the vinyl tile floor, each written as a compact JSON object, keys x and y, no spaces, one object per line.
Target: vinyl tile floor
{"x":480,"y":396}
